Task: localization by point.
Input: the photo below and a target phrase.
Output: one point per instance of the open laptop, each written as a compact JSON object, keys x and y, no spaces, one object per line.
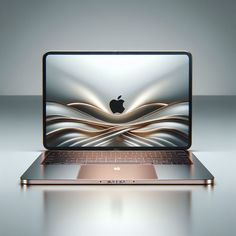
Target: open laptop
{"x":117,"y":118}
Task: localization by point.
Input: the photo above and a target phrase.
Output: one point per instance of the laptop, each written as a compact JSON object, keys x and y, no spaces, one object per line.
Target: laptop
{"x":117,"y":117}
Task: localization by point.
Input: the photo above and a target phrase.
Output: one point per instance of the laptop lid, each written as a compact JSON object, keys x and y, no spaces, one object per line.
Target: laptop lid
{"x":117,"y":100}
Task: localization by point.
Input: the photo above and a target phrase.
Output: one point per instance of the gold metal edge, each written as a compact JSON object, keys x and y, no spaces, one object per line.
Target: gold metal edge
{"x":24,"y":181}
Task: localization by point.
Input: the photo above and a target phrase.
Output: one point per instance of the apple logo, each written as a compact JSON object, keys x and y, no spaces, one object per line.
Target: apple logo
{"x":117,"y":105}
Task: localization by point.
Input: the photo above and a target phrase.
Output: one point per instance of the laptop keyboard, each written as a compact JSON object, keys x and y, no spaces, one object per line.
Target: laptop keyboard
{"x":178,"y":157}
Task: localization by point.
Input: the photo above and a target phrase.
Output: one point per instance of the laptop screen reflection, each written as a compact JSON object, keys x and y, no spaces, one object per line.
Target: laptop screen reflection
{"x":117,"y":210}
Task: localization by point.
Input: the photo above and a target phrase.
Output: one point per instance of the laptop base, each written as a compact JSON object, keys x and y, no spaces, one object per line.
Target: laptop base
{"x":162,"y":174}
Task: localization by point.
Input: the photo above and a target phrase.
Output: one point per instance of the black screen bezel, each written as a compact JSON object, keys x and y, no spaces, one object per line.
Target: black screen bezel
{"x":116,"y":53}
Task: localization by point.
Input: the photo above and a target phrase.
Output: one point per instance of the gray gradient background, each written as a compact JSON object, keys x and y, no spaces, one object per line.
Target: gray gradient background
{"x":206,"y":28}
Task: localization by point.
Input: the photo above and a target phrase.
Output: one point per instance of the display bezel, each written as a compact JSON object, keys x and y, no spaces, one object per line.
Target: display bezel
{"x":116,"y":53}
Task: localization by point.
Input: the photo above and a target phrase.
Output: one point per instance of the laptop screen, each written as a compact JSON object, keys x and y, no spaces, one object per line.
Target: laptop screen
{"x":117,"y":100}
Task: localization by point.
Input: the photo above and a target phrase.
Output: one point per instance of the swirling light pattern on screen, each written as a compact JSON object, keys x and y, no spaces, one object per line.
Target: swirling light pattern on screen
{"x":155,"y":90}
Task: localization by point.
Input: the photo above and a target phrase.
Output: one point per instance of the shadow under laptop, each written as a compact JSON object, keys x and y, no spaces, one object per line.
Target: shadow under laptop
{"x":117,"y":210}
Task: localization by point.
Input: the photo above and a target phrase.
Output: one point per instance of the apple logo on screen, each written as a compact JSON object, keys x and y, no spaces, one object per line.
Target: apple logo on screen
{"x":117,"y":105}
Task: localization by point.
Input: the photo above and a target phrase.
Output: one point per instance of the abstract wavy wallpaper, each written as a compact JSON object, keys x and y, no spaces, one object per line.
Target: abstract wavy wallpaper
{"x":117,"y":100}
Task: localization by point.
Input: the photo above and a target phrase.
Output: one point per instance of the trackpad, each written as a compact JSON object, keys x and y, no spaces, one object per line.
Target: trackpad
{"x":117,"y":172}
